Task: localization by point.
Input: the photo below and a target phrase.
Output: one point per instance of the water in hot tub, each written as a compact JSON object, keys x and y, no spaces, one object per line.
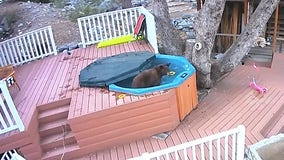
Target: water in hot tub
{"x":173,"y":68}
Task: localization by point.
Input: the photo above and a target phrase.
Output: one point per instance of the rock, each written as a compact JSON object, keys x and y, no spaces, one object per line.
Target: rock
{"x":20,"y":25}
{"x":191,"y":35}
{"x":72,"y":46}
{"x":188,"y":16}
{"x":80,"y":45}
{"x":68,"y":47}
{"x":62,"y":48}
{"x":193,"y":4}
{"x":186,"y":24}
{"x":5,"y":25}
{"x":2,"y":33}
{"x":137,"y":3}
{"x":109,"y":5}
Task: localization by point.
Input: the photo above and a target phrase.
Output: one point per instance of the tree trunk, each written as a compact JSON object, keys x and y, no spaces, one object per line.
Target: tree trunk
{"x":169,"y":39}
{"x":241,"y":47}
{"x":206,"y":28}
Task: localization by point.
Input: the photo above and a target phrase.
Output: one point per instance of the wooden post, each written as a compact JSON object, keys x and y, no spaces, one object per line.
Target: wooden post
{"x":275,"y":30}
{"x":245,"y":12}
{"x":235,"y":21}
{"x":198,"y":4}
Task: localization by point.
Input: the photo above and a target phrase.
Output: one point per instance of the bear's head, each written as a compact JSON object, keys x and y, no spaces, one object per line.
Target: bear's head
{"x":163,"y":69}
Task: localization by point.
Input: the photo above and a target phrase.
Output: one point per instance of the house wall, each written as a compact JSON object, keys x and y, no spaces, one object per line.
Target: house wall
{"x":229,"y":27}
{"x":280,"y":28}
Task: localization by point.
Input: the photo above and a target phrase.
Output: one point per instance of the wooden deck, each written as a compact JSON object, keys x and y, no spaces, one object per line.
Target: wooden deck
{"x":228,"y":104}
{"x":56,"y":110}
{"x":53,"y":83}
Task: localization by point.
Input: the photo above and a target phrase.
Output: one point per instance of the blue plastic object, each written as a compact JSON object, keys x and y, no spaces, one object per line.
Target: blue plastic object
{"x":180,"y":67}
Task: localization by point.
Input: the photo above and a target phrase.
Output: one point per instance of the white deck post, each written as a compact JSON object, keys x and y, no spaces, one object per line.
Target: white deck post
{"x":10,"y":104}
{"x":241,"y":142}
{"x":52,"y":40}
{"x":151,"y":28}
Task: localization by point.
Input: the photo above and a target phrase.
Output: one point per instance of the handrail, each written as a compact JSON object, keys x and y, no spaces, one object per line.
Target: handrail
{"x":205,"y":147}
{"x":12,"y":155}
{"x":27,"y":47}
{"x":104,"y":26}
{"x":9,"y":118}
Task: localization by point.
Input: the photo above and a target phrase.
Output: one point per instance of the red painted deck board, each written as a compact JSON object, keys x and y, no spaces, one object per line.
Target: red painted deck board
{"x":230,"y":103}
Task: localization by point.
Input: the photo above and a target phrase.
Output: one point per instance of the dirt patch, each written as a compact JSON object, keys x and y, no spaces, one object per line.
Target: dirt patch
{"x":31,"y":16}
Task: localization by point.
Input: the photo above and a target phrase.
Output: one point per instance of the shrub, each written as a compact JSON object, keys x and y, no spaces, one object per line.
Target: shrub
{"x":12,"y":17}
{"x":59,"y":3}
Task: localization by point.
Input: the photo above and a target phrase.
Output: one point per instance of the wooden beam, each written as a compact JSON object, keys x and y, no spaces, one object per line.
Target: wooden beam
{"x":275,"y":30}
{"x":245,"y":12}
{"x":235,"y":21}
{"x":198,"y":4}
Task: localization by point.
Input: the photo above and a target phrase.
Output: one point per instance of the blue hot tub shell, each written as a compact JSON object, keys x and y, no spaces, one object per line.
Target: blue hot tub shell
{"x":178,"y":65}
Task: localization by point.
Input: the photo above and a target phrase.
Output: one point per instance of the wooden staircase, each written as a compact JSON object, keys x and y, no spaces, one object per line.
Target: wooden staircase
{"x":264,"y":55}
{"x":270,"y":24}
{"x":280,"y":29}
{"x":56,"y":138}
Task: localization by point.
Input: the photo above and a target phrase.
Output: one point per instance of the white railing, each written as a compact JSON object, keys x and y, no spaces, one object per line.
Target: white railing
{"x":99,"y":27}
{"x":12,"y":155}
{"x":225,"y":145}
{"x":9,"y":117}
{"x":27,"y":47}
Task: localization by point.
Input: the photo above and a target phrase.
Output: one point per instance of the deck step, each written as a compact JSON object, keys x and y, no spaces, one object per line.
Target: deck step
{"x":54,"y":127}
{"x":56,"y":141}
{"x":52,"y":114}
{"x":59,"y":153}
{"x":56,"y":104}
{"x":272,"y":123}
{"x":56,"y":137}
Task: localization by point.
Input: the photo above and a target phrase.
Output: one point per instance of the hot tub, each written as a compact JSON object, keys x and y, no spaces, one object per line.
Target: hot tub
{"x":117,"y":72}
{"x":180,"y":70}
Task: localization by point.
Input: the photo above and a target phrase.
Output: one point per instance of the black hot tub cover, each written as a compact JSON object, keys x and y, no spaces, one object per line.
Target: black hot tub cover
{"x":109,"y":70}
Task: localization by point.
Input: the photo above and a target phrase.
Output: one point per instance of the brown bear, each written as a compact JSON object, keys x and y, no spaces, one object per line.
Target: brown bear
{"x":150,"y":77}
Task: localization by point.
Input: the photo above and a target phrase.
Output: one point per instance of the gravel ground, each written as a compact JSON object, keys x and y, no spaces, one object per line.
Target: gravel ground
{"x":32,"y":16}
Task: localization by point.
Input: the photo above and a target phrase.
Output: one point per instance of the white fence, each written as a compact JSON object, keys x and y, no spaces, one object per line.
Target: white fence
{"x":104,"y":26}
{"x":12,"y":155}
{"x":9,"y":117}
{"x":27,"y":47}
{"x":222,"y":146}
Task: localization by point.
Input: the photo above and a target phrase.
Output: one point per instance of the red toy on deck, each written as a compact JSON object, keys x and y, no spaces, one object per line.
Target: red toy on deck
{"x":258,"y":88}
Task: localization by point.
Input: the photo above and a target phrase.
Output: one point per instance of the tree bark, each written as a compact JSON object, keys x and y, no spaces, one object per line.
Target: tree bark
{"x":244,"y":42}
{"x":206,"y":28}
{"x":169,"y":39}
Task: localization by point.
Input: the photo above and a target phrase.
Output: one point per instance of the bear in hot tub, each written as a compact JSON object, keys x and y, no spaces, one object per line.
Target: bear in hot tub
{"x":150,"y":77}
